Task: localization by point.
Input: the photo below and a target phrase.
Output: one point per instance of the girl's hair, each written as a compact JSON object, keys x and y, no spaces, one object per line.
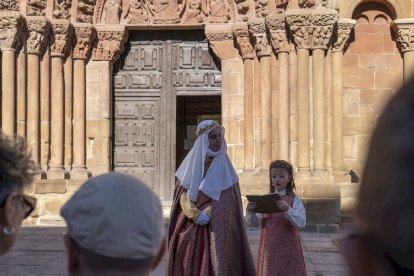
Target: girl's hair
{"x":282,"y":164}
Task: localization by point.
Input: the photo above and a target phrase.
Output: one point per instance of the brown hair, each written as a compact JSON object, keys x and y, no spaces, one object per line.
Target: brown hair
{"x":282,"y":164}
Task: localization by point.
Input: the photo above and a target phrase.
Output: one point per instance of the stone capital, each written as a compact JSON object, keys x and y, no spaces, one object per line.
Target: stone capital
{"x":11,"y":25}
{"x":60,"y":37}
{"x":404,"y":29}
{"x":257,"y":29}
{"x":241,"y":34}
{"x":110,"y":43}
{"x":84,"y":34}
{"x":276,"y":27}
{"x":38,"y":28}
{"x":342,"y":34}
{"x":220,"y":39}
{"x":312,"y":28}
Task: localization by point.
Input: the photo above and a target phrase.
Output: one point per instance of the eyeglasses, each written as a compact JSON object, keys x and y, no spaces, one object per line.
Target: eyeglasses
{"x":28,"y":202}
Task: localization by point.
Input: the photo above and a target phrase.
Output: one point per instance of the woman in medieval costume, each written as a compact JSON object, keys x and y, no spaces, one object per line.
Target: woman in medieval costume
{"x":207,"y":234}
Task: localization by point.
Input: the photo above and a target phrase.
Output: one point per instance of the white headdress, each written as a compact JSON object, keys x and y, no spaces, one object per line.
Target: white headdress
{"x":220,"y":175}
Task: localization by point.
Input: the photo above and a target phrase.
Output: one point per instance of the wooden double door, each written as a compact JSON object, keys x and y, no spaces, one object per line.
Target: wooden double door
{"x":155,"y":68}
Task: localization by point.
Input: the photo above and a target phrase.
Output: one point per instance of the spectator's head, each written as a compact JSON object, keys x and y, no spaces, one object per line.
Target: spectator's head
{"x":384,"y":240}
{"x":16,"y":171}
{"x":115,"y":226}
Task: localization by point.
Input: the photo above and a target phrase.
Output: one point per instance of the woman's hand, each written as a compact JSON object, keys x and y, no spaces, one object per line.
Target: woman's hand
{"x":282,"y":205}
{"x":251,"y":206}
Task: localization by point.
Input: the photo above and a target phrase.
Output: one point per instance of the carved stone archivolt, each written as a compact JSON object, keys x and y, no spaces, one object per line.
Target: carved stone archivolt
{"x":84,"y":35}
{"x":276,"y":27}
{"x":109,"y":43}
{"x":165,"y":11}
{"x":36,"y":7}
{"x":38,"y":32}
{"x":281,"y":4}
{"x":62,"y":9}
{"x":85,"y":11}
{"x":261,"y":8}
{"x":242,"y":9}
{"x":242,"y":36}
{"x":11,"y":24}
{"x":9,"y":5}
{"x":306,"y":3}
{"x":312,"y":28}
{"x":404,"y":30}
{"x":60,"y":37}
{"x":342,"y":34}
{"x":257,"y":30}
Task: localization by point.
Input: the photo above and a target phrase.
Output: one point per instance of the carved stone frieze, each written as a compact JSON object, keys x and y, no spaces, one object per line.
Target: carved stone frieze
{"x":404,"y":30}
{"x":109,"y":43}
{"x":38,"y":31}
{"x":136,"y":12}
{"x":62,"y":9}
{"x":11,"y":24}
{"x":242,"y":36}
{"x":60,"y":37}
{"x":165,"y":11}
{"x":312,"y":29}
{"x":84,"y":35}
{"x":85,"y":11}
{"x":242,"y":9}
{"x":306,"y":3}
{"x":277,"y":29}
{"x":342,"y":34}
{"x":261,"y":8}
{"x":218,"y":11}
{"x":9,"y":5}
{"x":36,"y":7}
{"x":219,"y":36}
{"x":257,"y":29}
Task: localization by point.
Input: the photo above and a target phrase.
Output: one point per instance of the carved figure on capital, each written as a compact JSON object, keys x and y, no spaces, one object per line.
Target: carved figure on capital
{"x":218,"y":11}
{"x":324,"y":24}
{"x":135,"y":12}
{"x":165,"y":11}
{"x":306,"y":3}
{"x":38,"y":35}
{"x":242,"y":9}
{"x":62,"y":9}
{"x":277,"y":30}
{"x":61,"y":34}
{"x":83,"y":42}
{"x":36,"y":7}
{"x":261,"y":8}
{"x":11,"y":24}
{"x":9,"y":5}
{"x":109,"y":45}
{"x":85,"y":10}
{"x":405,"y":39}
{"x":243,"y":41}
{"x":258,"y":31}
{"x":342,"y":35}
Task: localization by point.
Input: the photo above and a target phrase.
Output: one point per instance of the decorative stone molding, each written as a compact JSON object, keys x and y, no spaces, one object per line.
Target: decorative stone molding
{"x":11,"y":24}
{"x":241,"y":34}
{"x":342,"y":34}
{"x":38,"y":29}
{"x":276,"y":26}
{"x":62,"y":9}
{"x":404,"y":29}
{"x":261,"y":8}
{"x":257,"y":29}
{"x":242,"y":9}
{"x":84,"y":35}
{"x":9,"y":5}
{"x":85,"y":11}
{"x":306,"y":3}
{"x":312,"y":28}
{"x":36,"y":7}
{"x":220,"y":39}
{"x":60,"y":37}
{"x":219,"y":36}
{"x":110,"y":43}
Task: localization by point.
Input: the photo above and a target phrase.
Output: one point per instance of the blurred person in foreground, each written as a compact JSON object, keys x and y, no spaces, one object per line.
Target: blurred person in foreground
{"x":115,"y":227}
{"x":16,"y":172}
{"x":383,"y":243}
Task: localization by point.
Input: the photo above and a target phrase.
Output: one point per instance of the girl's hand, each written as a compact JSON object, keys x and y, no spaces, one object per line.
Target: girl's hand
{"x":282,"y":205}
{"x":251,"y":207}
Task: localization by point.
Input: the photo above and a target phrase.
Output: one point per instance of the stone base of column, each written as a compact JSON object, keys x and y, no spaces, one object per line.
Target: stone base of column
{"x":80,"y":173}
{"x":341,"y":176}
{"x":57,"y":173}
{"x":41,"y":175}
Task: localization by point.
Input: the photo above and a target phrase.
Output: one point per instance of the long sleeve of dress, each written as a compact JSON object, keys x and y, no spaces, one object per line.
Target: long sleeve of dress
{"x":296,"y":214}
{"x":190,"y":209}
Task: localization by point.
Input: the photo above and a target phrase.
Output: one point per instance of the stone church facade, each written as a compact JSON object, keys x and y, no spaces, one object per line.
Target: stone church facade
{"x":101,"y":85}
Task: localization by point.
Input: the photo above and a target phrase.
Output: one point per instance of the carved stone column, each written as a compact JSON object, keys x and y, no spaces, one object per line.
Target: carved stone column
{"x":60,"y":37}
{"x":323,"y":21}
{"x":276,"y":26}
{"x":10,"y":23}
{"x":258,"y":31}
{"x":404,"y":28}
{"x":342,"y":35}
{"x":38,"y":28}
{"x":83,"y":38}
{"x":242,"y":36}
{"x":108,"y":46}
{"x":301,"y":29}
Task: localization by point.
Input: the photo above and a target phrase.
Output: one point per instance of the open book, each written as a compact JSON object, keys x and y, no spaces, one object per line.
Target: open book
{"x":265,"y":203}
